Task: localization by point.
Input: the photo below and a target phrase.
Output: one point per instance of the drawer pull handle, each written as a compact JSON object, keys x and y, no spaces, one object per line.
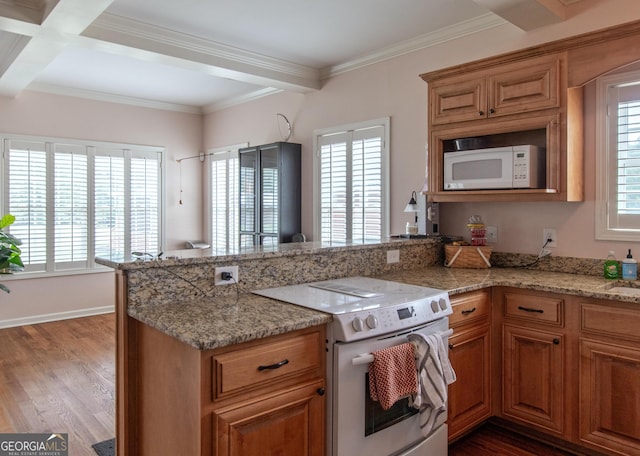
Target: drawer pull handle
{"x":451,"y":346}
{"x":528,"y":309}
{"x":556,"y":341}
{"x":467,"y":312}
{"x":320,"y":391}
{"x":274,"y":366}
{"x":481,"y":113}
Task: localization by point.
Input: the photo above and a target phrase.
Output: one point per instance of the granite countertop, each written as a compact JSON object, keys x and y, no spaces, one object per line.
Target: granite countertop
{"x":217,"y":322}
{"x":208,"y":323}
{"x":462,"y":280}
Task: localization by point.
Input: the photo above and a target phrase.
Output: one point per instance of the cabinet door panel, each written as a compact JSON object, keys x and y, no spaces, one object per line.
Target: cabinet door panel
{"x":469,"y":396}
{"x":460,"y":101}
{"x":527,"y":89}
{"x":288,"y":424}
{"x":610,"y":396}
{"x":533,"y":377}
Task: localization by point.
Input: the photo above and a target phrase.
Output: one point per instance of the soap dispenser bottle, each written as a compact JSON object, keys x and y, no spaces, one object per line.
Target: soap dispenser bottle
{"x":611,"y":266}
{"x":629,"y":267}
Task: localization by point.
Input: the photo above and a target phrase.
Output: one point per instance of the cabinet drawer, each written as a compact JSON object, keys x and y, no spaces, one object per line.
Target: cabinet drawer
{"x":261,"y":365}
{"x":610,"y":321}
{"x":469,"y":307}
{"x":543,"y":309}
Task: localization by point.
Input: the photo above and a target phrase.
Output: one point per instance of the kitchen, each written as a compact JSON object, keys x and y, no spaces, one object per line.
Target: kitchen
{"x":386,"y":88}
{"x":389,"y":88}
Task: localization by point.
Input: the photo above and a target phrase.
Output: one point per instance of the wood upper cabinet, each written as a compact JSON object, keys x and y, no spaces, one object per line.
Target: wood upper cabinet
{"x":518,"y":89}
{"x":470,"y":355}
{"x":507,"y":101}
{"x":610,"y":377}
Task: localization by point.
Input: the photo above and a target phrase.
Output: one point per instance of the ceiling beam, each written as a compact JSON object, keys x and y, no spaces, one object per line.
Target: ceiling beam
{"x":40,"y":41}
{"x":528,"y":14}
{"x":132,"y":38}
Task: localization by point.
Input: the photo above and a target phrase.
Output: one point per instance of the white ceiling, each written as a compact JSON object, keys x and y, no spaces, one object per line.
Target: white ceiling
{"x":197,"y":56}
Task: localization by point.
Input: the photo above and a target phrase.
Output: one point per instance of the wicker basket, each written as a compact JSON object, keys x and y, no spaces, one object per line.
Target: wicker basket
{"x":467,"y":256}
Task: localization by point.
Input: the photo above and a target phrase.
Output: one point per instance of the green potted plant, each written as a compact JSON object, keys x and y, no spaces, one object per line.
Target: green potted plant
{"x":10,"y":261}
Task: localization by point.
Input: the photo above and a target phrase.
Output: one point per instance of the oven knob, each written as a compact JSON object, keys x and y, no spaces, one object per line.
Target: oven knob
{"x":443,"y":303}
{"x":434,"y":307}
{"x":372,"y":322}
{"x":357,"y":324}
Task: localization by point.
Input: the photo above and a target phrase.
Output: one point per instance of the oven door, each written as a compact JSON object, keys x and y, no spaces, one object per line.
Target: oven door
{"x":359,"y":424}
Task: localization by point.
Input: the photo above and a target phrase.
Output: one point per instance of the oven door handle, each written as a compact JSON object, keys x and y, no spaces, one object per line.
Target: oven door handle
{"x":366,"y":358}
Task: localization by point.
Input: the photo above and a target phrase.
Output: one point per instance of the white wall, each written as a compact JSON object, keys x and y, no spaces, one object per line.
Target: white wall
{"x":32,"y":113}
{"x":393,"y":88}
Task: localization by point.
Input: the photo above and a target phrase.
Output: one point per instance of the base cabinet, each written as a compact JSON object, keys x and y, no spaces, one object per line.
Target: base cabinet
{"x":533,"y":366}
{"x":266,"y":396}
{"x":537,"y":349}
{"x":469,"y":396}
{"x":289,"y":423}
{"x":610,"y":378}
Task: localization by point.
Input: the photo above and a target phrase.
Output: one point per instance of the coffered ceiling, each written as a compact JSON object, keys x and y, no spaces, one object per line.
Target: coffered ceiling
{"x":196,"y":55}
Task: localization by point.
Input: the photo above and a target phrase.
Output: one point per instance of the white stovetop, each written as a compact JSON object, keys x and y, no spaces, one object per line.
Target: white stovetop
{"x":350,"y":294}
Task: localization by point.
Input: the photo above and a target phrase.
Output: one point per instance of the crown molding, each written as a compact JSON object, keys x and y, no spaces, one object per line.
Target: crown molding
{"x":229,"y":59}
{"x":235,"y":101}
{"x":469,"y":27}
{"x":110,"y":98}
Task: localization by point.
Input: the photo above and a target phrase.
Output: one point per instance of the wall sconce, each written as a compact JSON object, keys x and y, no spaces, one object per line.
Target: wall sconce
{"x":412,"y":206}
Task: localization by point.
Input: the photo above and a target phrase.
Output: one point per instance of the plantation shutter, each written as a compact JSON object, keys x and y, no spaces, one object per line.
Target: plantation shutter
{"x":144,"y":208}
{"x":70,"y":207}
{"x":624,"y":181}
{"x":352,"y":185}
{"x":109,"y":202}
{"x":224,"y":183}
{"x":73,"y":202}
{"x":26,"y":198}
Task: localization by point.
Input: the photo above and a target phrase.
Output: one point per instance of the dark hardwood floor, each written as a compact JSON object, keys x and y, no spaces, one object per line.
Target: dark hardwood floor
{"x":60,"y":377}
{"x":493,"y":440}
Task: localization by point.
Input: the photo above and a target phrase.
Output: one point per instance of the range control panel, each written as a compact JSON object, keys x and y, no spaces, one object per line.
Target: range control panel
{"x":367,"y":323}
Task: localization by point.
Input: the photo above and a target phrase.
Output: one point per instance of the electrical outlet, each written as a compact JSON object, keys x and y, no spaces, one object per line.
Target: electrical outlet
{"x":549,"y":233}
{"x":218,"y":280}
{"x":492,"y":235}
{"x":393,"y":256}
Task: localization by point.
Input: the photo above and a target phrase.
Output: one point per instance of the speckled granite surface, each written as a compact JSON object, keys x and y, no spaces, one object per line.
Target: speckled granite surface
{"x":177,"y":295}
{"x":206,"y":324}
{"x":209,"y":323}
{"x":462,"y":280}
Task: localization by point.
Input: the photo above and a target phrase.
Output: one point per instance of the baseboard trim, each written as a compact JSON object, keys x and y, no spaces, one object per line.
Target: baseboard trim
{"x":45,"y":318}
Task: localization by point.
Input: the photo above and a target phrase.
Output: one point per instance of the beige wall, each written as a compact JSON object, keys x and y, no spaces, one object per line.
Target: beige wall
{"x":32,"y":113}
{"x":393,"y":88}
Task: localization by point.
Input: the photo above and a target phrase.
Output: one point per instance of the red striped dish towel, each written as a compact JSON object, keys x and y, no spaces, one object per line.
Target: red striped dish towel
{"x":393,"y":374}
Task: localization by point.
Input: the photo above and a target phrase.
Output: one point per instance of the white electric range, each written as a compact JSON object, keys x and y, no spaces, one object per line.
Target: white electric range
{"x":369,"y":315}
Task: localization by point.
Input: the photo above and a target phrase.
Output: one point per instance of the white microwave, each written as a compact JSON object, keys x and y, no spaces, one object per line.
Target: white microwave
{"x":499,"y":167}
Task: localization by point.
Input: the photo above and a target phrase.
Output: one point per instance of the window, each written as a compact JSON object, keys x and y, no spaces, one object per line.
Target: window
{"x":75,"y":200}
{"x":224,"y":182}
{"x":618,"y":171}
{"x":350,"y":183}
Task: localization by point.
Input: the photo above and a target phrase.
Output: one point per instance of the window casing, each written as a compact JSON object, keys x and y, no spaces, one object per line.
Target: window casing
{"x":351,"y":196}
{"x":618,"y":158}
{"x":75,"y":200}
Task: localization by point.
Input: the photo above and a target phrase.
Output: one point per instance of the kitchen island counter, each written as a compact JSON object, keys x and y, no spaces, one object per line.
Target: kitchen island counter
{"x":213,"y":323}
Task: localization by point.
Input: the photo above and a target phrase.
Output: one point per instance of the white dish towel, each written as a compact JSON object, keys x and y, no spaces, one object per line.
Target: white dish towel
{"x":434,"y":374}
